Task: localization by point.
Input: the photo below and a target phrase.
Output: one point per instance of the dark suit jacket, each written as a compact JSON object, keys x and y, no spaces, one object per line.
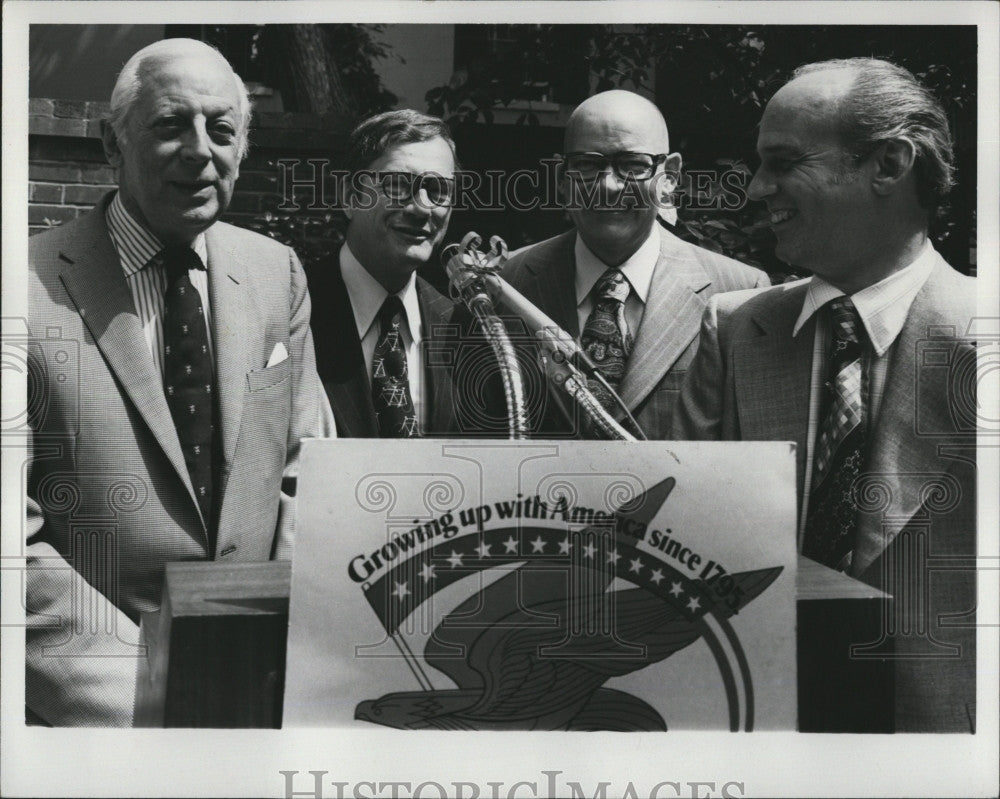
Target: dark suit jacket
{"x":750,"y":381}
{"x":684,"y":279}
{"x":109,"y":498}
{"x":450,"y":345}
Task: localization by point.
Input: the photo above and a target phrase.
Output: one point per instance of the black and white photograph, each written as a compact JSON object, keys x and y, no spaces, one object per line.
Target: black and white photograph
{"x":461,"y":398}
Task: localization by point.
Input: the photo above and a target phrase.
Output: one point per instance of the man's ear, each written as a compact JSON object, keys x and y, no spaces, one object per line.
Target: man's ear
{"x":893,"y":161}
{"x":112,"y":147}
{"x":666,"y":182}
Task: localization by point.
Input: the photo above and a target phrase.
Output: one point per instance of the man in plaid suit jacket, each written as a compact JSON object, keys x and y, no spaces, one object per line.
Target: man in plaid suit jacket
{"x":855,"y":154}
{"x":615,"y":217}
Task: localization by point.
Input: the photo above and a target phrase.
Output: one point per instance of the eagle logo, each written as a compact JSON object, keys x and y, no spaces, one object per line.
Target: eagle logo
{"x":533,"y":649}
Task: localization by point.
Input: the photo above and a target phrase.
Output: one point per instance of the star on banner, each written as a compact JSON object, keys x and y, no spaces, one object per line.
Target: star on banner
{"x":400,"y":591}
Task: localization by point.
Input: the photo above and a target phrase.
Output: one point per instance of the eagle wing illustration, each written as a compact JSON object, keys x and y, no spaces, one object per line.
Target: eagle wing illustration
{"x":522,"y":669}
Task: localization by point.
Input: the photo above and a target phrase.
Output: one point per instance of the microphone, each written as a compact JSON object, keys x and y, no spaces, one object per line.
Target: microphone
{"x":475,"y":278}
{"x":477,"y":281}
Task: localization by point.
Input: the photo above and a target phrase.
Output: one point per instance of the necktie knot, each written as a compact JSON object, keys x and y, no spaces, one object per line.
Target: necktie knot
{"x":178,"y":260}
{"x":846,"y":322}
{"x":391,"y":313}
{"x":612,"y":285}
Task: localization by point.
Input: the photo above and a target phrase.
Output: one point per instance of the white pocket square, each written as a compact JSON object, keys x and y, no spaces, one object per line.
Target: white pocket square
{"x":278,"y":354}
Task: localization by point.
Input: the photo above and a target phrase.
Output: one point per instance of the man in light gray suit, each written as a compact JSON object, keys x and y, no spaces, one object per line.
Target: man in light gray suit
{"x":172,"y":377}
{"x":865,"y":366}
{"x":618,"y":175}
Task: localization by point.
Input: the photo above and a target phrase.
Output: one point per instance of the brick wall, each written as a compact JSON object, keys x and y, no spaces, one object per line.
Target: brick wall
{"x":68,"y":174}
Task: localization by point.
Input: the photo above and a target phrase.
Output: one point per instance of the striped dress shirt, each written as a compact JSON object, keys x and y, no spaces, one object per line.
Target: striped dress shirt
{"x":140,"y":253}
{"x":883,"y":308}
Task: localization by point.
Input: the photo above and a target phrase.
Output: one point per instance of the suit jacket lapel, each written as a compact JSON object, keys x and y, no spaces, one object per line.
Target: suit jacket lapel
{"x":670,"y":320}
{"x":902,"y":461}
{"x":772,"y":375}
{"x":340,"y":360}
{"x":93,"y":277}
{"x":436,"y":320}
{"x":553,"y":289}
{"x":228,"y":291}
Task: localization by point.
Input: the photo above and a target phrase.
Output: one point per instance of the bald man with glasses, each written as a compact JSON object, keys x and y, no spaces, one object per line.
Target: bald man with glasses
{"x":620,"y":282}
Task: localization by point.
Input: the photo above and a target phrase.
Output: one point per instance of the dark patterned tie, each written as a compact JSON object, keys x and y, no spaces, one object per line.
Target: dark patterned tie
{"x":390,"y":376}
{"x":188,"y":374}
{"x":841,"y":445}
{"x":606,"y":338}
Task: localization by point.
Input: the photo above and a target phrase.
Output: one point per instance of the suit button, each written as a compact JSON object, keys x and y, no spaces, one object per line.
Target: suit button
{"x":227,"y":551}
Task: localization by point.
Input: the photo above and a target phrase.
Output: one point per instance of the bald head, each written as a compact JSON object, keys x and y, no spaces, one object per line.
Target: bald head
{"x":155,"y":57}
{"x":618,"y":114}
{"x":614,"y":211}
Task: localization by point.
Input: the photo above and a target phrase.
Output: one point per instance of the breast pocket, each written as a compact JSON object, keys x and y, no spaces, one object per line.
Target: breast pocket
{"x":262,"y":379}
{"x":672,"y":381}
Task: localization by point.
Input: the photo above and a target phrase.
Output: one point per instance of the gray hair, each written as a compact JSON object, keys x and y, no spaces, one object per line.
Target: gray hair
{"x":129,"y":85}
{"x":885,"y":102}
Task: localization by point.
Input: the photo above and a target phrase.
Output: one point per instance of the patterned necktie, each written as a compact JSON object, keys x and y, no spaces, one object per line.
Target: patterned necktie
{"x":606,"y":338}
{"x":188,"y":373}
{"x":841,"y":444}
{"x":390,"y":376}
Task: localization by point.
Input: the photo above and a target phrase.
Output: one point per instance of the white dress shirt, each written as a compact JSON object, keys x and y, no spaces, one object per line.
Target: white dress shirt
{"x":883,"y":308}
{"x":638,"y":271}
{"x":139,"y":252}
{"x":367,"y":295}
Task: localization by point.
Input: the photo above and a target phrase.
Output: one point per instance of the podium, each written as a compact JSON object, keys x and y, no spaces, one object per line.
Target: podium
{"x":216,"y":650}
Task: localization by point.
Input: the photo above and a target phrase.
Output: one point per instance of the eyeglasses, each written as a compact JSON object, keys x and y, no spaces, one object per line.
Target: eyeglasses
{"x":626,"y":165}
{"x":401,"y":187}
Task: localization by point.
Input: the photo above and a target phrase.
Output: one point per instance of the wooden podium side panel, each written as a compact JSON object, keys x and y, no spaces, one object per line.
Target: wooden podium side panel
{"x":838,"y":693}
{"x":216,"y":647}
{"x":226,"y":671}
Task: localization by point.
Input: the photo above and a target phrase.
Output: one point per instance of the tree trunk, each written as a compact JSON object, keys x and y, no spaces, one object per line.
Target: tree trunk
{"x":317,"y":79}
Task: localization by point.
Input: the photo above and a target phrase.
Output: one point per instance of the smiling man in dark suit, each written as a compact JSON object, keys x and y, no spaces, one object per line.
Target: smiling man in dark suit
{"x":387,"y":342}
{"x":173,"y":377}
{"x":629,"y":289}
{"x":862,"y":365}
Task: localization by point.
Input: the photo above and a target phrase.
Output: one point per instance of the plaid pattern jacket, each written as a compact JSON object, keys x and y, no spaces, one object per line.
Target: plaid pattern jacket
{"x":750,"y":382}
{"x":684,"y":279}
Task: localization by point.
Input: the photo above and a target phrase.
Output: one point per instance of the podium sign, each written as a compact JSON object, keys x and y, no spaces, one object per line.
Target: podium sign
{"x":543,"y":586}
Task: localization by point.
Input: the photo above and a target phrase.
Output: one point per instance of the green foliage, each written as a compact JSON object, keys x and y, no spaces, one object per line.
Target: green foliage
{"x":356,"y":50}
{"x":517,"y":62}
{"x":712,"y":83}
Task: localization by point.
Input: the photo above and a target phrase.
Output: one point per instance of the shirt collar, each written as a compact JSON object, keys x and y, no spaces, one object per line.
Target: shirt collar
{"x":137,"y":246}
{"x":883,"y":307}
{"x":638,"y":269}
{"x":367,"y":295}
